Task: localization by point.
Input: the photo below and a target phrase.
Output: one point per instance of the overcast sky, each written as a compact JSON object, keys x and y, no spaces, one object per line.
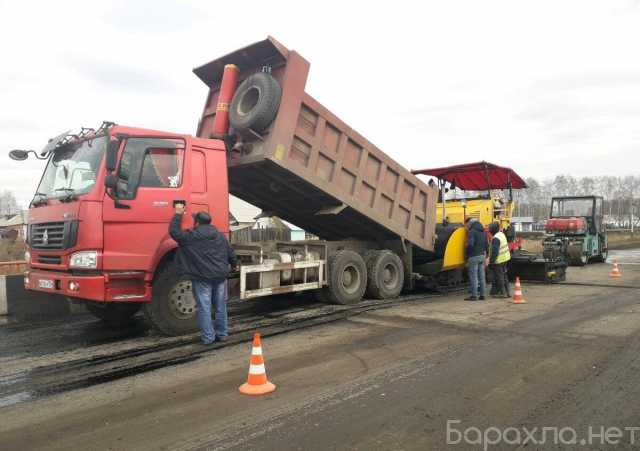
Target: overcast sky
{"x":545,"y":87}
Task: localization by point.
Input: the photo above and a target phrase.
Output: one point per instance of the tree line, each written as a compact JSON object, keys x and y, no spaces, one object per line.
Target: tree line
{"x":619,"y":194}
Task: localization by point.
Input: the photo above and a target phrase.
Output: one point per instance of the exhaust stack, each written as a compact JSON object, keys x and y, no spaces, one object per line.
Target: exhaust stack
{"x":227,"y":90}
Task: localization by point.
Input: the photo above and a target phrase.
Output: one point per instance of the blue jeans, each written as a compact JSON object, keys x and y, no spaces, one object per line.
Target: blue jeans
{"x":476,"y":274}
{"x":206,"y":294}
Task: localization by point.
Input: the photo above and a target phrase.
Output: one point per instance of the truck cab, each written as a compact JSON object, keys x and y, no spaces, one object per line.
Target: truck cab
{"x":98,"y":222}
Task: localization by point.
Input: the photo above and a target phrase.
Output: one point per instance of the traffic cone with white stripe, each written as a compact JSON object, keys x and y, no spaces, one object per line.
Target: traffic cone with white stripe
{"x":615,"y":271}
{"x":257,"y":383}
{"x":517,"y":293}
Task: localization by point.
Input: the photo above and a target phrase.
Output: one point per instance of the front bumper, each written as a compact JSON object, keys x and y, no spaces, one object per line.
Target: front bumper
{"x":106,"y":287}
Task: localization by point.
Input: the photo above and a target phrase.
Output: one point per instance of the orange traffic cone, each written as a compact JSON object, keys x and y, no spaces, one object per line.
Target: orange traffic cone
{"x":257,"y":383}
{"x":615,"y":271}
{"x":517,"y":293}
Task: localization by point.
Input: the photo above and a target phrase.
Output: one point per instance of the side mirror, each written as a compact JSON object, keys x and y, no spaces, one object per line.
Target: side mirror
{"x":19,"y":155}
{"x":112,"y":155}
{"x":111,"y":181}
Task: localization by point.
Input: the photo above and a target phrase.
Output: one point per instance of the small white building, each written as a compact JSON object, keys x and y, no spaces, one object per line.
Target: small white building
{"x":297,"y":234}
{"x":522,"y":223}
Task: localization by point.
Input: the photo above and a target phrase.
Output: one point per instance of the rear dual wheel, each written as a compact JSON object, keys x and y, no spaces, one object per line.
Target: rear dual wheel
{"x":385,"y":274}
{"x":347,"y":279}
{"x":380,"y":275}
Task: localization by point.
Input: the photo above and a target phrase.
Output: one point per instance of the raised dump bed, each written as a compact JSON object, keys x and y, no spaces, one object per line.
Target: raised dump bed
{"x":313,"y":170}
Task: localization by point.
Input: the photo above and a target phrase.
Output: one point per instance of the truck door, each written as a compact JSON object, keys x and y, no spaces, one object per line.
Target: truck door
{"x":150,"y":177}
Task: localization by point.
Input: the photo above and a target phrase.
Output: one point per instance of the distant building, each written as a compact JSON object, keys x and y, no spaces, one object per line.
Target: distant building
{"x":297,"y":234}
{"x":13,"y":226}
{"x":522,"y":223}
{"x":250,"y":224}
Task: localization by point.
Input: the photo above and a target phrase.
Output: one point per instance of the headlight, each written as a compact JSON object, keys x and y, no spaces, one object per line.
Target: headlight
{"x":27,"y":256}
{"x":84,"y":259}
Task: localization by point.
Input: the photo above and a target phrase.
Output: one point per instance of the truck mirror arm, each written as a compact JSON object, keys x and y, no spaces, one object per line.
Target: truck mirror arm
{"x":21,"y":155}
{"x":112,"y":155}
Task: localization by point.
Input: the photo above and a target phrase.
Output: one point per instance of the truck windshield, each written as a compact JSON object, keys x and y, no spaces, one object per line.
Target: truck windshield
{"x":72,"y":168}
{"x":571,"y":207}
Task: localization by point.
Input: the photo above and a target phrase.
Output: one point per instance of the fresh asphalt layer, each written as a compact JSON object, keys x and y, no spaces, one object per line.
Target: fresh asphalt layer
{"x":385,"y":379}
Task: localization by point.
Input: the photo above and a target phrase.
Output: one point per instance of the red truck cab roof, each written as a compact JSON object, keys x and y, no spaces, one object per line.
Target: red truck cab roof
{"x":124,"y":130}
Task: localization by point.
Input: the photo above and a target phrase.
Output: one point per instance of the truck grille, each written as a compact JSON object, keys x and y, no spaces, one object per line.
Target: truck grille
{"x":50,"y":259}
{"x":53,"y":235}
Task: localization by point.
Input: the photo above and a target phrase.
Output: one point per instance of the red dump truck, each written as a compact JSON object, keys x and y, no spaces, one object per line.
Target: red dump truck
{"x":98,"y":222}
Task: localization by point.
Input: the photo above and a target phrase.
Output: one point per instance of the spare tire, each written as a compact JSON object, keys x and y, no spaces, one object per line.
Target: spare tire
{"x":255,"y":104}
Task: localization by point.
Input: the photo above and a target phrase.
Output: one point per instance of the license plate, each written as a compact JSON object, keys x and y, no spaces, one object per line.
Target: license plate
{"x":46,"y":283}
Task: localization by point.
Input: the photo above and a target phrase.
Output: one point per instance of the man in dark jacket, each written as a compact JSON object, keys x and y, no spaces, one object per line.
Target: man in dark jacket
{"x":204,"y":256}
{"x":475,"y":252}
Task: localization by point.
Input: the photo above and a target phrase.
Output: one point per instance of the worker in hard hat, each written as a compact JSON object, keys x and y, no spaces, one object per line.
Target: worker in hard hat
{"x":499,"y":255}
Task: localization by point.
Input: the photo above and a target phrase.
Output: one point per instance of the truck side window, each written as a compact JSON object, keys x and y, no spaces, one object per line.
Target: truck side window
{"x":162,"y":167}
{"x":150,"y":162}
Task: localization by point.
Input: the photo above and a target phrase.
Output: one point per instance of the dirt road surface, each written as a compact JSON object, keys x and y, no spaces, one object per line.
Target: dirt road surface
{"x":386,"y":379}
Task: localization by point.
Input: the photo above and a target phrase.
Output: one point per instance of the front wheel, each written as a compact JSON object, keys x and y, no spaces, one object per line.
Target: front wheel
{"x":173,"y":309}
{"x":113,"y":313}
{"x":577,"y":256}
{"x":603,"y":256}
{"x":582,"y":260}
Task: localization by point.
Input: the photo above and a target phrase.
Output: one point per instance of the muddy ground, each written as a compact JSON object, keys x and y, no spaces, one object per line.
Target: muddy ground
{"x":384,"y":379}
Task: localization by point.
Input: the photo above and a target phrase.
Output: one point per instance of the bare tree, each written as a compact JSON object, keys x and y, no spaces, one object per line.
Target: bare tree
{"x":587,"y":186}
{"x":8,"y":203}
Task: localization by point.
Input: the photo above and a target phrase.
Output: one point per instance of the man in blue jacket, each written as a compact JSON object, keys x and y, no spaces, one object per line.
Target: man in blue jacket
{"x":476,"y":252}
{"x":204,"y":256}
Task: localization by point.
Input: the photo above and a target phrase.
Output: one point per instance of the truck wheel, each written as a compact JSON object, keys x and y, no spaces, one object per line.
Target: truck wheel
{"x":583,"y":260}
{"x":385,"y":274}
{"x":578,"y":260}
{"x":255,"y":104}
{"x":172,"y":309}
{"x":113,"y":313}
{"x":602,"y":258}
{"x":576,"y":256}
{"x":347,"y":278}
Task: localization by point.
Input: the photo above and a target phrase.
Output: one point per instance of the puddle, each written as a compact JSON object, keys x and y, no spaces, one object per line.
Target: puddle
{"x":625,"y":256}
{"x":10,"y":400}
